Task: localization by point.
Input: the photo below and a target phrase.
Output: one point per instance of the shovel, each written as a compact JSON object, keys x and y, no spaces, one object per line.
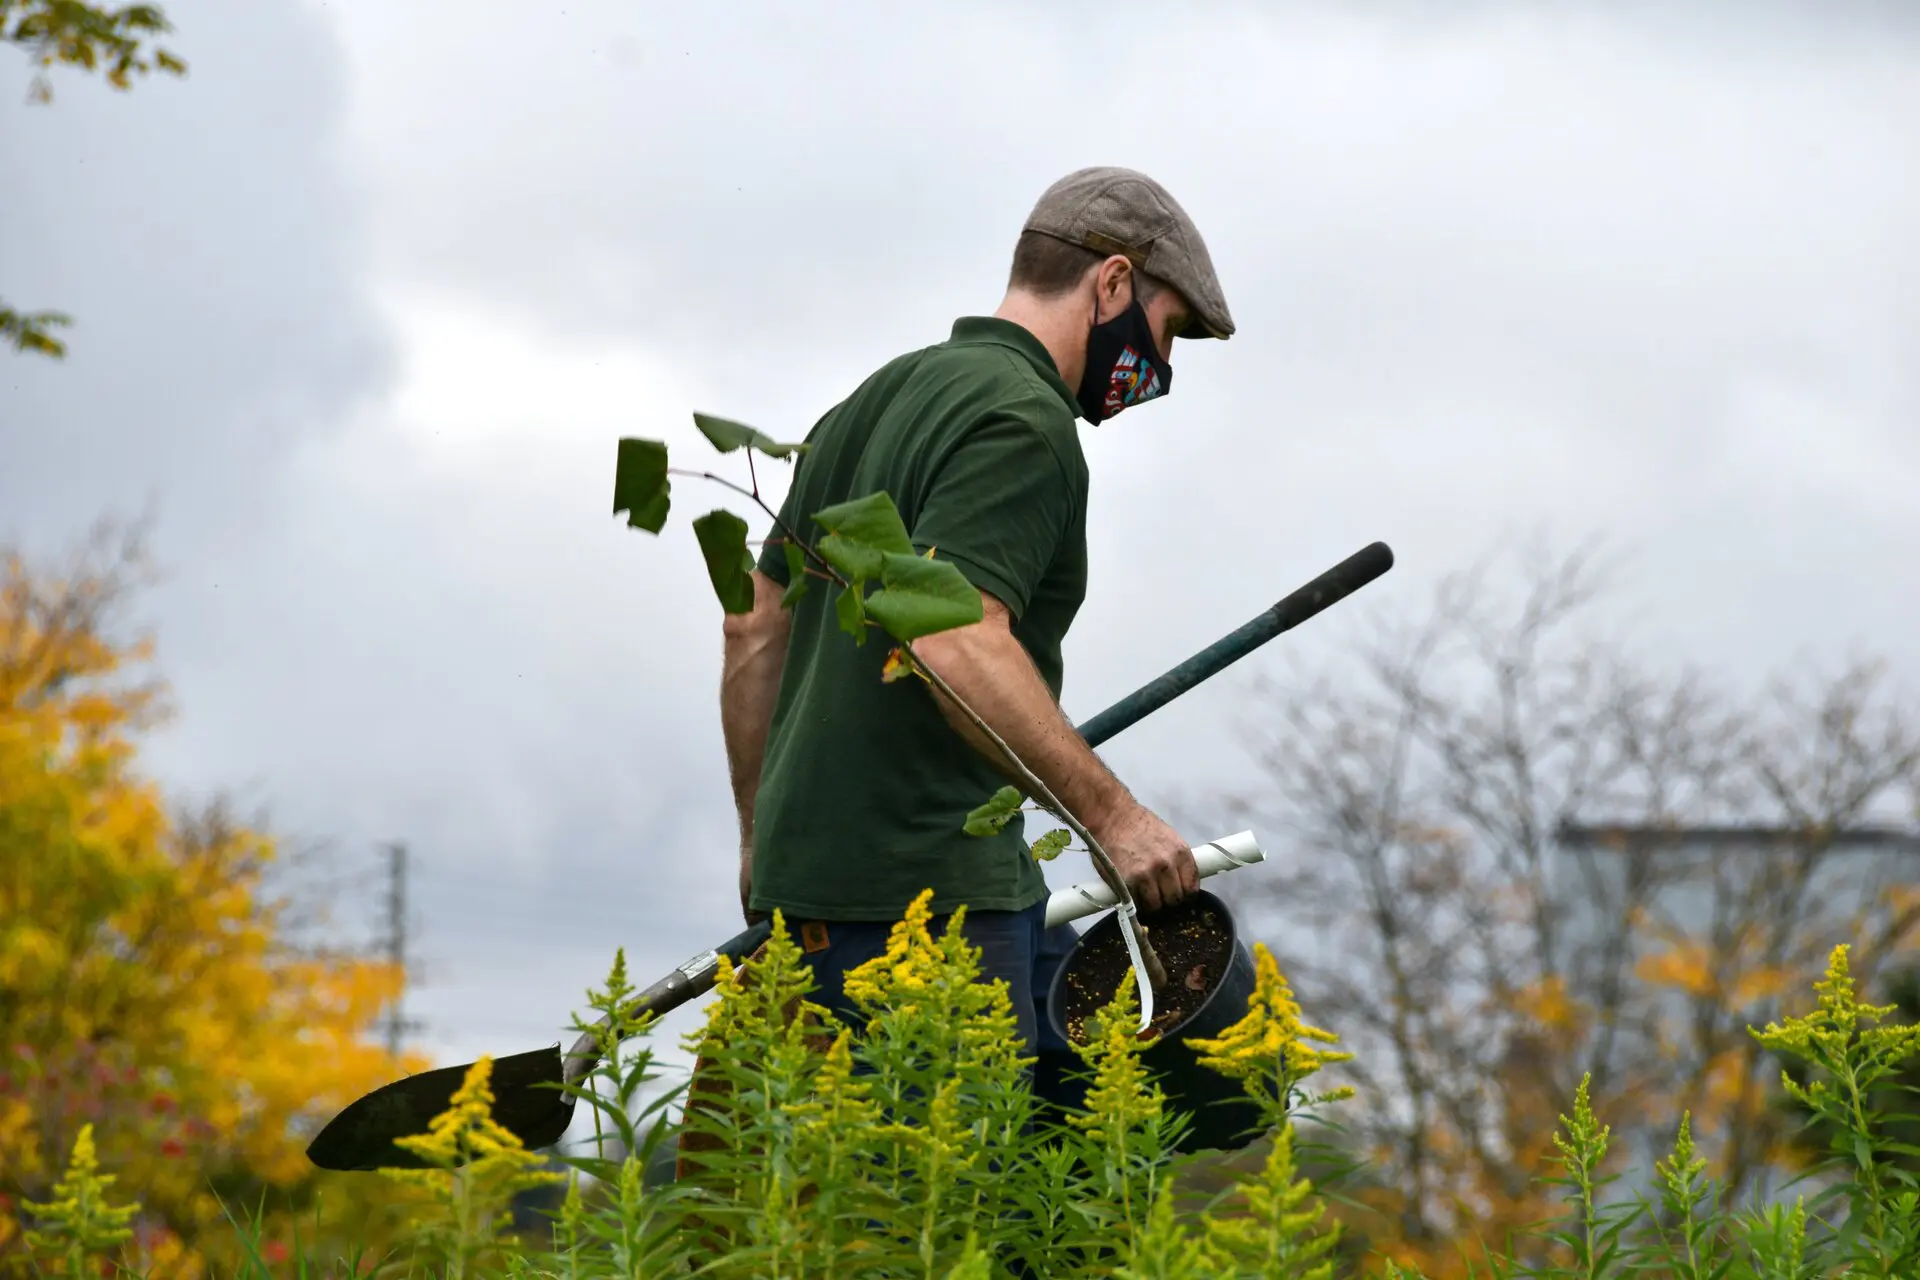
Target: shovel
{"x":529,"y":1099}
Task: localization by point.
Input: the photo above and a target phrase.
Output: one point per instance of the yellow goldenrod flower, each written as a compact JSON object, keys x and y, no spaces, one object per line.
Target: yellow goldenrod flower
{"x":478,"y":1167}
{"x":1122,"y":1097}
{"x":1278,"y":1230}
{"x":1832,"y":1036}
{"x":1272,"y":1049}
{"x":79,"y":1222}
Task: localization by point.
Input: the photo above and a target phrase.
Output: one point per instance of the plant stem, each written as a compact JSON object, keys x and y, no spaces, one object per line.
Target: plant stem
{"x":1109,"y":873}
{"x":1044,"y":794}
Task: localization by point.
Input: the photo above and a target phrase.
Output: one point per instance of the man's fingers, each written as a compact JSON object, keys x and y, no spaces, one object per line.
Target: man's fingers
{"x":1189,"y":873}
{"x":1146,"y":894}
{"x":1172,"y":886}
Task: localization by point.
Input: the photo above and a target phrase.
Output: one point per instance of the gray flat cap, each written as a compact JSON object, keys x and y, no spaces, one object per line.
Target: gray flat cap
{"x":1111,"y":210}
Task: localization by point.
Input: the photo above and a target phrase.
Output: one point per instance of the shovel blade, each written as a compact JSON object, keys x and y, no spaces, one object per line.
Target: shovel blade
{"x":527,"y":1102}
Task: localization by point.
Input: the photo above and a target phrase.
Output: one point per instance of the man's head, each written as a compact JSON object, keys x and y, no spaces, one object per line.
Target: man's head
{"x":1107,"y":272}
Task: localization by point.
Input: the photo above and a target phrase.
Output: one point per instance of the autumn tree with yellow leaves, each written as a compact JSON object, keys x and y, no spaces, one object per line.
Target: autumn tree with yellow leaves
{"x":146,"y":995}
{"x":1462,"y":897}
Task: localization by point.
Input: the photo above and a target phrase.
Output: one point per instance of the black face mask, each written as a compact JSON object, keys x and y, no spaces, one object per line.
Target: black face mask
{"x":1124,"y":367}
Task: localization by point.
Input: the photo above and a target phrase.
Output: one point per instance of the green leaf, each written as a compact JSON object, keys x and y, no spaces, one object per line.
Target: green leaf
{"x":921,"y":597}
{"x":796,"y":575}
{"x":853,"y":615}
{"x":727,"y":436}
{"x":993,"y":816}
{"x":640,"y":485}
{"x":861,"y":533}
{"x":1051,"y":845}
{"x":723,"y":541}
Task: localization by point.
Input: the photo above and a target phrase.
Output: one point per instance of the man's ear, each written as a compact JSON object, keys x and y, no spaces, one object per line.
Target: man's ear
{"x":1112,"y":282}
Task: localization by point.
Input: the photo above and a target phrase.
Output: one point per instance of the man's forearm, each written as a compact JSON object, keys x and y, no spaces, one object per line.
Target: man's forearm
{"x":756,"y":650}
{"x":990,"y":670}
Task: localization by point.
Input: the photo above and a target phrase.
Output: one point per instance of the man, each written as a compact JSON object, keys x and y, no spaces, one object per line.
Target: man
{"x":852,"y":792}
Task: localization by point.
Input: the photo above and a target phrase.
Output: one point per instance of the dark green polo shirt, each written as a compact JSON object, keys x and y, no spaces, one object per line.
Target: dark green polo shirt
{"x":866,"y":786}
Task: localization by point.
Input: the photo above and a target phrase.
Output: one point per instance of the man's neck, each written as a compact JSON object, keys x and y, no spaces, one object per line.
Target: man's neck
{"x":1062,"y":330}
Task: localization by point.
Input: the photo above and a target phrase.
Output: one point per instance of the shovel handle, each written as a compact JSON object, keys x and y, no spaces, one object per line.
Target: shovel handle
{"x":1337,"y":583}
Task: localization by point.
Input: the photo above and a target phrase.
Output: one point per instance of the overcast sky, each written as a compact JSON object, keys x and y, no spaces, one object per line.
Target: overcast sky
{"x":365,"y":301}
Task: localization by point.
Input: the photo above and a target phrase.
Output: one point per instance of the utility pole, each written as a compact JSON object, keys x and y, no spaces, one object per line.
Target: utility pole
{"x":397,"y":1023}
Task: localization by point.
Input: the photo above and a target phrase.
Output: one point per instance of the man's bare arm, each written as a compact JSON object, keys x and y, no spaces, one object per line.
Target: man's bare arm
{"x":991,"y":671}
{"x":756,"y":649}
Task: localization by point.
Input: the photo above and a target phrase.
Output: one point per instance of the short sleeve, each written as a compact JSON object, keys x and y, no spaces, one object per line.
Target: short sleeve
{"x":997,"y":508}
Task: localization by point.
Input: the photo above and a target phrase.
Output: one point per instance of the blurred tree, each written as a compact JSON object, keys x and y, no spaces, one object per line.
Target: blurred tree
{"x":1479,"y":964}
{"x":143,"y":988}
{"x":117,"y":42}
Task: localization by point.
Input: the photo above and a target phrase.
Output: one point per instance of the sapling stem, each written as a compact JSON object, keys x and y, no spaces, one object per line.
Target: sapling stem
{"x":1039,"y":790}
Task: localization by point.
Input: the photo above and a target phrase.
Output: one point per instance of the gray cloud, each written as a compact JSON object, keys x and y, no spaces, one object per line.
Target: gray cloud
{"x":204,"y":237}
{"x":1647,"y":270}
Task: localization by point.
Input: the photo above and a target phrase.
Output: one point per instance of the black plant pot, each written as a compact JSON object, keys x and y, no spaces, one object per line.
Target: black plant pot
{"x":1224,"y":1118}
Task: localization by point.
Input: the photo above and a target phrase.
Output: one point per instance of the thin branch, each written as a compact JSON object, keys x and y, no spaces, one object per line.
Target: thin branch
{"x":1044,"y":794}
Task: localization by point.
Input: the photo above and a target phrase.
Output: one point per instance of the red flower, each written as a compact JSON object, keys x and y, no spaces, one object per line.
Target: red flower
{"x":161,"y":1102}
{"x":274,"y":1251}
{"x":171,"y":1147}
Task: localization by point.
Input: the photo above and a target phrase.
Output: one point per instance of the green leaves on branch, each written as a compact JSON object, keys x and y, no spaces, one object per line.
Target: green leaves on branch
{"x":88,"y":37}
{"x":29,"y":331}
{"x":865,"y":541}
{"x":796,"y":575}
{"x":723,"y":544}
{"x":1051,"y":845}
{"x":993,"y":816}
{"x":861,"y":534}
{"x":640,"y":484}
{"x":853,"y":618}
{"x":727,"y":435}
{"x":919,"y":596}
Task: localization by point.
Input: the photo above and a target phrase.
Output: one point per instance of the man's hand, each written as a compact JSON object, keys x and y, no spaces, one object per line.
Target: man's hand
{"x":989,"y":669}
{"x":1155,"y":862}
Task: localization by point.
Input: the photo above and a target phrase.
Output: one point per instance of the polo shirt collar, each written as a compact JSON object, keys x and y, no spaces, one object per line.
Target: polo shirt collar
{"x":995,"y":332}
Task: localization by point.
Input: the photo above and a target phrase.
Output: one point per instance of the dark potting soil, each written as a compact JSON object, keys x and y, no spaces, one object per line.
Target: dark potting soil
{"x":1194,"y":945}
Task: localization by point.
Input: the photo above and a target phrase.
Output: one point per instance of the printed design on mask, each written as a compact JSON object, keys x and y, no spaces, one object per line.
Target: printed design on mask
{"x":1134,"y":381}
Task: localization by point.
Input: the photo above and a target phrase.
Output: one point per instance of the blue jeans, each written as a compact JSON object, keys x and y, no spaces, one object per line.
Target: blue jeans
{"x":1016,"y":947}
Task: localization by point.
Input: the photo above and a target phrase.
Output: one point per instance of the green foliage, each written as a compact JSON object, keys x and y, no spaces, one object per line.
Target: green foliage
{"x":861,"y":534}
{"x":796,"y":576}
{"x":1852,"y":1057}
{"x":850,"y":608}
{"x":1052,"y":844}
{"x":723,"y":543}
{"x":919,"y":597}
{"x":90,"y":37}
{"x":30,"y":332}
{"x":865,"y":542}
{"x":726,"y":436}
{"x":79,"y":1221}
{"x":908,"y":1145}
{"x":1000,"y":809}
{"x":640,"y":484}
